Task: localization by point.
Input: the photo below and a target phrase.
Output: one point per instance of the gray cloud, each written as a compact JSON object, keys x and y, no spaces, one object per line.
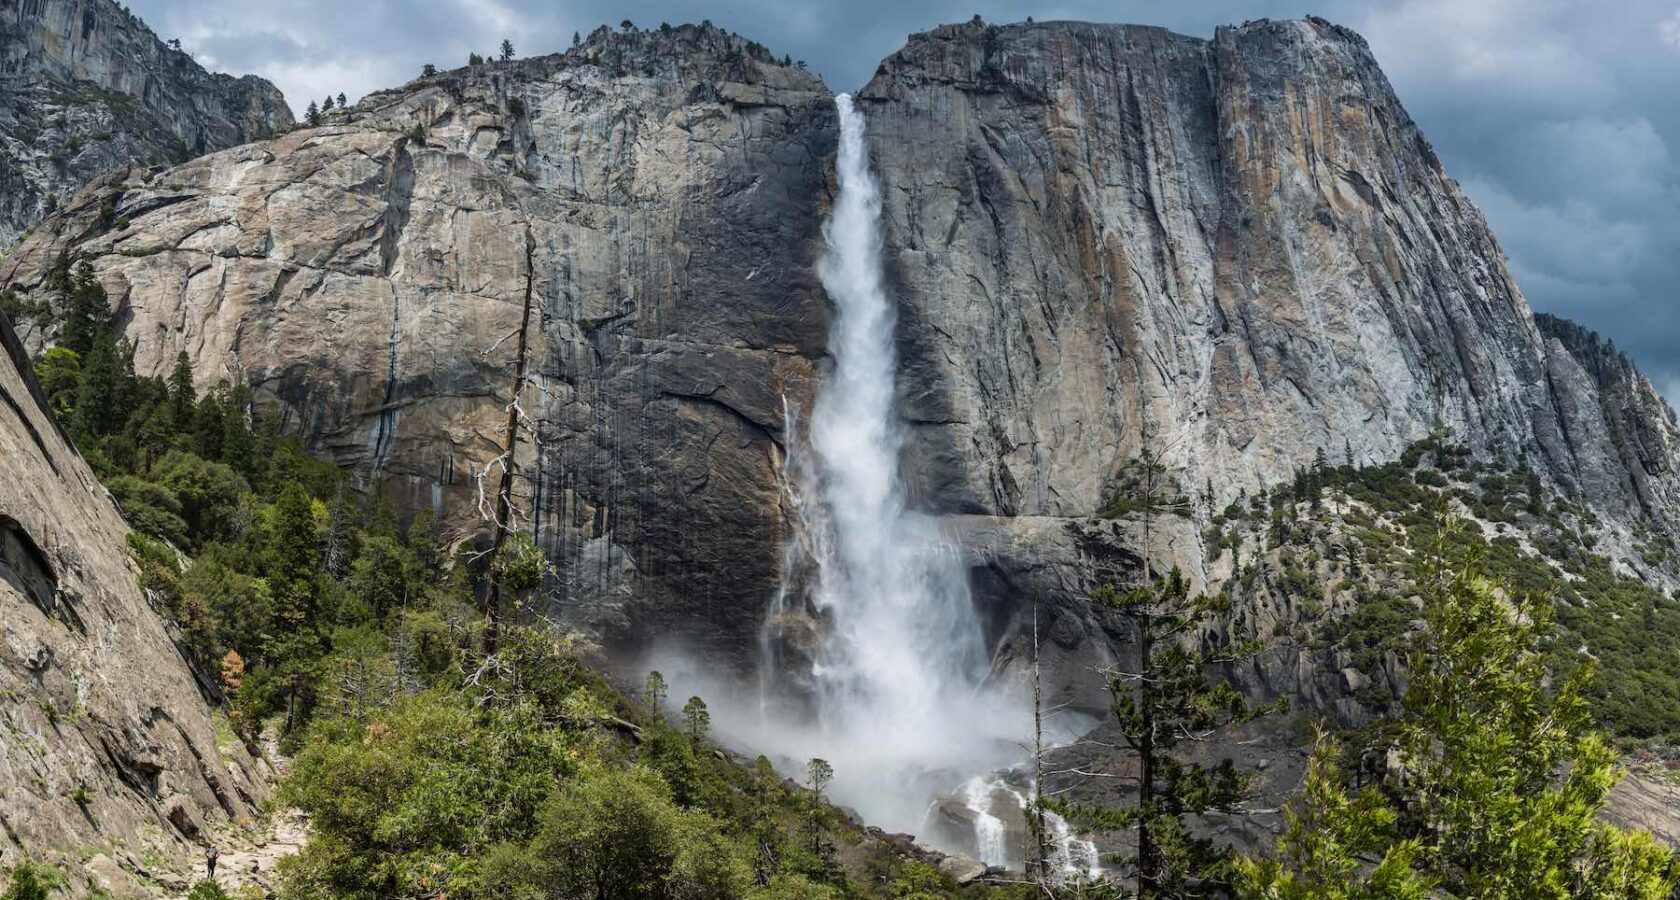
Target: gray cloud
{"x":1556,"y":115}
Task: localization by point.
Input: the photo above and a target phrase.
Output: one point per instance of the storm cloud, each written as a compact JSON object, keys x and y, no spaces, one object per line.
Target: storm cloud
{"x":1557,"y":117}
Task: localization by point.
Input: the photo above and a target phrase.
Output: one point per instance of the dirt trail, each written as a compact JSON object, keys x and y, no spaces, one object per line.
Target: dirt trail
{"x":249,"y":858}
{"x":250,"y":863}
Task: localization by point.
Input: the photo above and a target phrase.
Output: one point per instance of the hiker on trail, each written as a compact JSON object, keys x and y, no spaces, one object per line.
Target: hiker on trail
{"x":211,"y":854}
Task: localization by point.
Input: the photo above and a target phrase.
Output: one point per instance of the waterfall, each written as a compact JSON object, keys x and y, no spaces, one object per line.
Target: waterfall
{"x":897,"y":666}
{"x":1070,"y":857}
{"x":905,"y":639}
{"x":991,"y":838}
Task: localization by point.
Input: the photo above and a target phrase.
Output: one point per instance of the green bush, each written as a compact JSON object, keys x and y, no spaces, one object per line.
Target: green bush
{"x":208,"y":890}
{"x":32,"y":881}
{"x":616,"y":834}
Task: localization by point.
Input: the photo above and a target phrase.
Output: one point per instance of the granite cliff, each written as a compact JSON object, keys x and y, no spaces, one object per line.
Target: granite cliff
{"x":86,"y":87}
{"x":1242,"y":245}
{"x":653,"y":198}
{"x":108,"y":747}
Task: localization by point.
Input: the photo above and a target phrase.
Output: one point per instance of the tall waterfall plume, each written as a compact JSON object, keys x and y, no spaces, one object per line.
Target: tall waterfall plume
{"x":898,"y":673}
{"x":872,"y":655}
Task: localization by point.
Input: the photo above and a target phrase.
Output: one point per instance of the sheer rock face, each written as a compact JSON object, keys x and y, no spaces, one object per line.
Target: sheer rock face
{"x":1243,"y":243}
{"x":655,"y":198}
{"x":104,"y":733}
{"x":86,"y":87}
{"x":1632,"y":430}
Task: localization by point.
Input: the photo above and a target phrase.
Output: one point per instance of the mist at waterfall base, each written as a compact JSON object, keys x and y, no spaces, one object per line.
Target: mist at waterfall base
{"x":894,"y":691}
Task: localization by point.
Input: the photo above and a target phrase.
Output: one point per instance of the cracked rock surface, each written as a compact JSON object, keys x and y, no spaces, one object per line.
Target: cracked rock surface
{"x":86,"y":87}
{"x":657,"y":197}
{"x":107,"y":743}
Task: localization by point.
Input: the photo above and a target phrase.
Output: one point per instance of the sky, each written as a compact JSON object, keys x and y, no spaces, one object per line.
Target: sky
{"x":1560,"y":119}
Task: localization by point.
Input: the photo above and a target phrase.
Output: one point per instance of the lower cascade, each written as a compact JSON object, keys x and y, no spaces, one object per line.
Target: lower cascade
{"x":875,"y":620}
{"x":999,"y":808}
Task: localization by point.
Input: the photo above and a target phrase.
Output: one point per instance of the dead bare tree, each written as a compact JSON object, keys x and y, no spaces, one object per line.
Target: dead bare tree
{"x":502,"y":519}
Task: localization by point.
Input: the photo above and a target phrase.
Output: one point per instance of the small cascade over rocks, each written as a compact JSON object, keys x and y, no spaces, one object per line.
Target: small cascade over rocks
{"x":991,"y":842}
{"x":994,"y":807}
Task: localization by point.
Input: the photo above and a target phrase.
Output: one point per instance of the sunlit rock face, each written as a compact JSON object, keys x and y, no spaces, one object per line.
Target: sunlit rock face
{"x":1244,"y":246}
{"x":86,"y":87}
{"x":654,"y":197}
{"x":104,"y":732}
{"x":1243,"y":243}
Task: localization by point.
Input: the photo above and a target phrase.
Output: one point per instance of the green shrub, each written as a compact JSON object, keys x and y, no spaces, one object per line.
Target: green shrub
{"x":32,"y":881}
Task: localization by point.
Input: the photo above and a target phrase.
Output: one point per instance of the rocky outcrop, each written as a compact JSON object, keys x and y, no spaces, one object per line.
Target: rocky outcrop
{"x":1242,"y":244}
{"x":654,"y":198}
{"x":86,"y":87}
{"x":1633,"y":430}
{"x":107,"y":742}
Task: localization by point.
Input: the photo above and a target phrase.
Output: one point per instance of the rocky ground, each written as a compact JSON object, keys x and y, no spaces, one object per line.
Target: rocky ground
{"x":250,"y":854}
{"x":111,"y":758}
{"x":248,"y":861}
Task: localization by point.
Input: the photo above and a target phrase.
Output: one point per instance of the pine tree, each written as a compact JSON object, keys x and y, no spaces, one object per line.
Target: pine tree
{"x":818,"y":773}
{"x":382,"y":517}
{"x":340,"y":547}
{"x":296,"y":551}
{"x":103,"y":400}
{"x":576,"y":39}
{"x":238,"y":443}
{"x":473,"y":59}
{"x":425,"y":540}
{"x":428,"y":70}
{"x":312,"y":113}
{"x":1485,"y":739}
{"x":87,"y":311}
{"x":182,"y":397}
{"x":341,"y":102}
{"x":293,"y":581}
{"x":653,"y":691}
{"x":327,"y":104}
{"x":1168,"y":699}
{"x":1331,"y":835}
{"x":1500,"y":779}
{"x":59,"y":370}
{"x":507,"y":50}
{"x":696,"y":719}
{"x":209,"y":427}
{"x":764,"y":828}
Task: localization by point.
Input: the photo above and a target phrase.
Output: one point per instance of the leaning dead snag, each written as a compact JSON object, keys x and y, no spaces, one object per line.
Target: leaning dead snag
{"x":502,"y":517}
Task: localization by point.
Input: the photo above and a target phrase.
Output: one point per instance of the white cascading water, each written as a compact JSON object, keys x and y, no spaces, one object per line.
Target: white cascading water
{"x":905,"y":641}
{"x":991,"y":835}
{"x":897,"y":676}
{"x":1070,"y":857}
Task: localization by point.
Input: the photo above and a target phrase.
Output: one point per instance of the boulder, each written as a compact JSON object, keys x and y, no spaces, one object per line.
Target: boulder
{"x":963,"y":869}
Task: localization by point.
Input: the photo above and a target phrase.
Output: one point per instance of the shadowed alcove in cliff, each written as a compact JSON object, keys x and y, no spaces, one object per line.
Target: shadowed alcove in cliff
{"x":24,"y":566}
